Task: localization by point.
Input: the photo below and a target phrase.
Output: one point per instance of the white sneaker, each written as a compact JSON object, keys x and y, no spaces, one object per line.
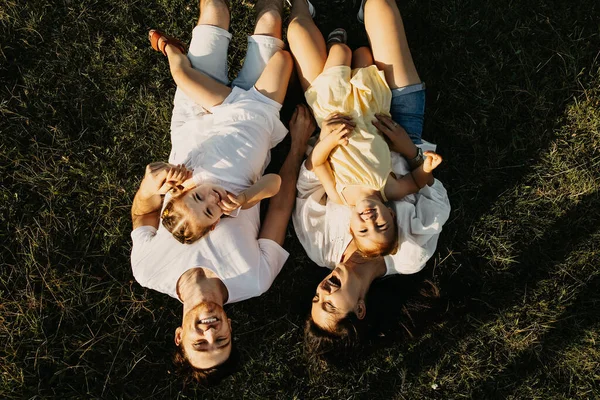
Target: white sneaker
{"x":361,"y":12}
{"x":311,"y":8}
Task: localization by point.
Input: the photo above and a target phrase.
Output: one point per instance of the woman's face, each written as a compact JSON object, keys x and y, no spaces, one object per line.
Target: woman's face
{"x":336,"y":295}
{"x":372,"y":224}
{"x":203,"y":203}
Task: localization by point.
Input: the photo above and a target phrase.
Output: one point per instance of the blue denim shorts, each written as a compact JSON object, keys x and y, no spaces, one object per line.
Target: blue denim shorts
{"x":408,"y":109}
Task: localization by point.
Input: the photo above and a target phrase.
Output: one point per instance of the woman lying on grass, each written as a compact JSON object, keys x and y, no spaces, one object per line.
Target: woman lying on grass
{"x":352,"y":164}
{"x":238,"y":130}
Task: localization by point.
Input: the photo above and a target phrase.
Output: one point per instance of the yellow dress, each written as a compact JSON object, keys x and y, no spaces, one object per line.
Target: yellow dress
{"x":361,"y":93}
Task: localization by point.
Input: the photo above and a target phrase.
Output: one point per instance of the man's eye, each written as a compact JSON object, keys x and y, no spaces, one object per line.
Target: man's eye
{"x":209,"y":212}
{"x":363,"y":231}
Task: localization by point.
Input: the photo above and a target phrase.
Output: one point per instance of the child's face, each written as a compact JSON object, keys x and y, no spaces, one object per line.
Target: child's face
{"x":372,"y":224}
{"x":203,"y":203}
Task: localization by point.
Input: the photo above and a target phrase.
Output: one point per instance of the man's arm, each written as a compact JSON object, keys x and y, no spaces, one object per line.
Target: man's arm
{"x":281,"y":205}
{"x":158,"y":179}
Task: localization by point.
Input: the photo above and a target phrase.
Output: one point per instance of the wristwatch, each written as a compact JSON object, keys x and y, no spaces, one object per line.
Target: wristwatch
{"x":418,"y":160}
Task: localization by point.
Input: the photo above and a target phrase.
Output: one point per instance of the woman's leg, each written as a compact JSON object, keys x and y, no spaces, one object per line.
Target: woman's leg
{"x":306,"y":43}
{"x":388,"y":43}
{"x":199,"y":87}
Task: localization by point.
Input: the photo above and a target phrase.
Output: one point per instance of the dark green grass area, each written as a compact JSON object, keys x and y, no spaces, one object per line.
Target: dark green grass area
{"x":514,"y":105}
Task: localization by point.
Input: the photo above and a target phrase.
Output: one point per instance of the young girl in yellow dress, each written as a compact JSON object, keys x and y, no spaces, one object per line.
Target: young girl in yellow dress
{"x":352,"y":157}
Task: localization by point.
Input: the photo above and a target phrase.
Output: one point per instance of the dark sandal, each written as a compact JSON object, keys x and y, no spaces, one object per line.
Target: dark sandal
{"x":158,"y":45}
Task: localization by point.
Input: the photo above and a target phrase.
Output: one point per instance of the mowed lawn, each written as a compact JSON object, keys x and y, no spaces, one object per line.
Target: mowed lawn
{"x":513,"y":103}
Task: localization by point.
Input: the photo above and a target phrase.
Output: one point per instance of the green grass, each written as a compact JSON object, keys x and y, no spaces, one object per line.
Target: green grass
{"x":514,"y":105}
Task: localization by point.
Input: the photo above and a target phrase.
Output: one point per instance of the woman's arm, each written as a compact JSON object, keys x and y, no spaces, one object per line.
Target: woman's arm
{"x":398,"y":139}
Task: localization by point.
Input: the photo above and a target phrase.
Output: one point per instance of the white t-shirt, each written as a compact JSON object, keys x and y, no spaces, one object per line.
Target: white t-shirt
{"x":324,"y":229}
{"x":246,"y":266}
{"x":230,"y":146}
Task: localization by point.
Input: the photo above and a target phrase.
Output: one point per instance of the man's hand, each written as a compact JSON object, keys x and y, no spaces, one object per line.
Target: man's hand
{"x":431,"y":161}
{"x":302,"y":126}
{"x":338,"y":125}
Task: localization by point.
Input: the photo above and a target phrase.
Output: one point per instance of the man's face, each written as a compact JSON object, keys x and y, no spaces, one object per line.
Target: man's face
{"x":336,"y":295}
{"x":205,"y":335}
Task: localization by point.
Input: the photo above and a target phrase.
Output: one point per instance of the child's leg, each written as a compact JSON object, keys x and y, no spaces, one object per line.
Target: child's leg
{"x":273,"y":82}
{"x":362,"y":58}
{"x":306,"y":43}
{"x":339,"y":55}
{"x":199,"y":87}
{"x":388,"y":42}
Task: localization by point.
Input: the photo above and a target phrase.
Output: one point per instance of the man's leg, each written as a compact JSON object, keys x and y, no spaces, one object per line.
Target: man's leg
{"x":306,"y":43}
{"x":263,"y":44}
{"x":207,"y":54}
{"x":388,"y":43}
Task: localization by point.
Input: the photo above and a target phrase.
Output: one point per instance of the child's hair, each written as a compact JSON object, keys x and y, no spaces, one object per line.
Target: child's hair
{"x":174,"y":219}
{"x":384,"y":249}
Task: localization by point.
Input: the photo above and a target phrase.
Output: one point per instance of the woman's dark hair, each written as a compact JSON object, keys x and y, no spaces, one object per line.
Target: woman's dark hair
{"x":412,"y":297}
{"x":323,"y":347}
{"x":206,"y":376}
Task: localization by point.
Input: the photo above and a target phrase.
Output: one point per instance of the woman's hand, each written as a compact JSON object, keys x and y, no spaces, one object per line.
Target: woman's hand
{"x":431,"y":161}
{"x":398,"y":139}
{"x":232,"y":203}
{"x":336,"y":127}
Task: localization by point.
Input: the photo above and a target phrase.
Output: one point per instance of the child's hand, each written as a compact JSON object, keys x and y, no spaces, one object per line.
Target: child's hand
{"x":232,"y":203}
{"x":431,"y":161}
{"x":176,"y":176}
{"x":339,"y":126}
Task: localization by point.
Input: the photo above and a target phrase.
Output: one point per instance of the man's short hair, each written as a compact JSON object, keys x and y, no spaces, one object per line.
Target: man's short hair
{"x":205,"y":376}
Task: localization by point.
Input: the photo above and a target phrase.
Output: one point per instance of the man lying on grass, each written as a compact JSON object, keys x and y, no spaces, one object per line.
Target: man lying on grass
{"x":226,"y":267}
{"x":239,"y":259}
